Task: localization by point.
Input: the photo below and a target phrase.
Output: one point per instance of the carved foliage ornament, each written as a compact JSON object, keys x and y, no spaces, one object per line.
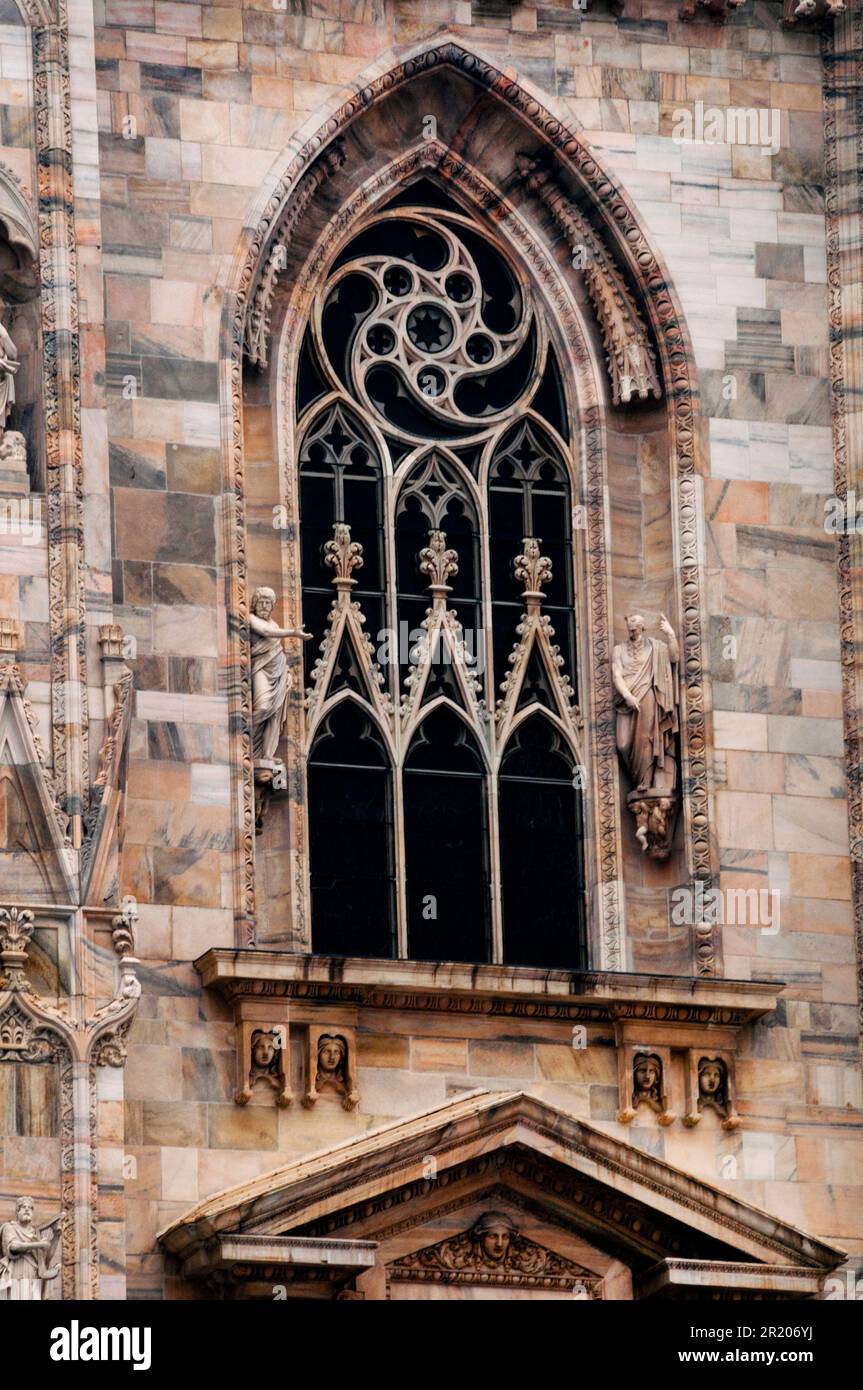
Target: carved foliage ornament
{"x":629,"y":356}
{"x":493,"y":1251}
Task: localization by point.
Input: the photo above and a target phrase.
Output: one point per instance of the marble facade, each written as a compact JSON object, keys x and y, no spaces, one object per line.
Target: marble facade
{"x":154,"y":157}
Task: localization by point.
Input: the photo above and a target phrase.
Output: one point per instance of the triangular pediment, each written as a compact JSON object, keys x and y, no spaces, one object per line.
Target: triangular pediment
{"x":508,"y":1151}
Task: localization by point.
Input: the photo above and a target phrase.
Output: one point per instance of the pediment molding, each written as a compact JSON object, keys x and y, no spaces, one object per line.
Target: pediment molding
{"x":620,"y":1197}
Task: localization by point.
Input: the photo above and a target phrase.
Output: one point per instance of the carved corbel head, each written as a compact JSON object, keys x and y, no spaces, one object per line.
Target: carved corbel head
{"x":264,"y":1057}
{"x":710,"y":1086}
{"x":331,"y":1065}
{"x":644,"y":1073}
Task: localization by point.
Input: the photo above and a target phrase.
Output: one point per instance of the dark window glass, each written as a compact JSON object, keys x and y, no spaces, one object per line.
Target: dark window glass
{"x":541,"y":850}
{"x":446,"y":843}
{"x":351,"y":837}
{"x":529,"y":496}
{"x":340,"y":480}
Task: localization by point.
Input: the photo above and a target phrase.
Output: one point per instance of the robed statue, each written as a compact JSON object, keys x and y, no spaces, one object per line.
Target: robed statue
{"x":28,"y":1254}
{"x":644,"y":671}
{"x":9,"y":365}
{"x":271,"y":679}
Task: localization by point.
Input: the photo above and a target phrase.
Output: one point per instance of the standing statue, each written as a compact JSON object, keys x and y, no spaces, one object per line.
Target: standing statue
{"x":644,"y":671}
{"x":9,"y":365}
{"x":271,"y":679}
{"x":27,"y":1254}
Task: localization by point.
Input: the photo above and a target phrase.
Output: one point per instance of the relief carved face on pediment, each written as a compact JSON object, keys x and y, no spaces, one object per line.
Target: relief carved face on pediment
{"x":493,"y":1251}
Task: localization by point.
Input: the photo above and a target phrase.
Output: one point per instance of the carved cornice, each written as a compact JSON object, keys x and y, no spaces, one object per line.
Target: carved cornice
{"x":496,"y":991}
{"x":617,"y":1195}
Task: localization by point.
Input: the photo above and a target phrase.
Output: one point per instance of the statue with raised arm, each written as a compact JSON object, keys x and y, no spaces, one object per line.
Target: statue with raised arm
{"x":644,"y":671}
{"x":9,"y":365}
{"x":271,"y":679}
{"x":28,"y":1254}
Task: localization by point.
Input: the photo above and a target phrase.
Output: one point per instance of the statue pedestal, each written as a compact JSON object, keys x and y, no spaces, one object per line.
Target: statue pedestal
{"x":655,"y":818}
{"x":14,"y":478}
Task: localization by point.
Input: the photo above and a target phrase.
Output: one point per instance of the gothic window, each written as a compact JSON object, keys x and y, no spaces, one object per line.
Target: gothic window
{"x":444,"y":759}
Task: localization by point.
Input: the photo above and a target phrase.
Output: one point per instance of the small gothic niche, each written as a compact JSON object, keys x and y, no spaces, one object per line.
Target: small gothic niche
{"x":331,"y":1065}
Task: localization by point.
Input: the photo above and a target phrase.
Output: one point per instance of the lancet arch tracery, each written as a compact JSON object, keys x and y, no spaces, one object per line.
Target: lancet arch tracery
{"x":428,"y":394}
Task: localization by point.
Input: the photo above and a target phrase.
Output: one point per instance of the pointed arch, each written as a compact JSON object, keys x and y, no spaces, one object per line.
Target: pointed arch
{"x":351,"y":848}
{"x":315,"y":159}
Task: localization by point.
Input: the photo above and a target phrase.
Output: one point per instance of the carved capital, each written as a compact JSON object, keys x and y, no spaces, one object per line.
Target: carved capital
{"x":10,"y":636}
{"x":111,"y":642}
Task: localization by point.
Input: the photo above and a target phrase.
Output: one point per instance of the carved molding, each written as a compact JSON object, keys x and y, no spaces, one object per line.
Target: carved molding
{"x":257,"y":336}
{"x":62,"y":411}
{"x":843,"y":129}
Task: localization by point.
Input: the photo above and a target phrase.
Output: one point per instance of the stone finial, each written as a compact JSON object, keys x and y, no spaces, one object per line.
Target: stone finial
{"x":439,"y":564}
{"x":532,"y":569}
{"x":343,"y":555}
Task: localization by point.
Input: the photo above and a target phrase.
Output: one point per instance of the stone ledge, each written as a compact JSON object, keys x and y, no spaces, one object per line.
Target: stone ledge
{"x":487,"y":990}
{"x":274,"y":1252}
{"x":678,"y":1278}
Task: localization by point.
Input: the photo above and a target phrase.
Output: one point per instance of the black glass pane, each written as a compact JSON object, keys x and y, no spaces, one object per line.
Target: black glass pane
{"x":549,"y":400}
{"x":351,"y":839}
{"x":541,"y":852}
{"x":446,"y":845}
{"x":310,"y":380}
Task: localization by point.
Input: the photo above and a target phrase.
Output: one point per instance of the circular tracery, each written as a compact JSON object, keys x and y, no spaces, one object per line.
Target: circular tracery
{"x":429,"y":327}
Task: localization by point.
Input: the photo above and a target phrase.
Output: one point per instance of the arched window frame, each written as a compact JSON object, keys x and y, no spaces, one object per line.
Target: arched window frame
{"x":491,"y":737}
